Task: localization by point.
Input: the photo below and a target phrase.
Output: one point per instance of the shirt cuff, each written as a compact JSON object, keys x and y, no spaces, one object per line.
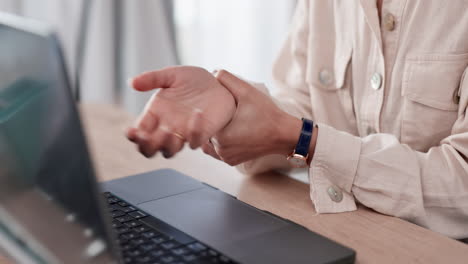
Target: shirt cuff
{"x":333,"y":169}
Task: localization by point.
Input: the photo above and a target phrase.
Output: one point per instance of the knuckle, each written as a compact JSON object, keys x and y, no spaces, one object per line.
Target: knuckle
{"x":221,"y":74}
{"x":194,"y":133}
{"x":230,"y":162}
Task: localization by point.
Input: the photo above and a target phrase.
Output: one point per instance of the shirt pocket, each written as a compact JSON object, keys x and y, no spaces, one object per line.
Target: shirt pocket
{"x":329,"y":79}
{"x":429,"y":89}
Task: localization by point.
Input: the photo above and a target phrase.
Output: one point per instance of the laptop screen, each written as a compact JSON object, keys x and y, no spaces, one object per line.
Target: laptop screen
{"x":46,"y":176}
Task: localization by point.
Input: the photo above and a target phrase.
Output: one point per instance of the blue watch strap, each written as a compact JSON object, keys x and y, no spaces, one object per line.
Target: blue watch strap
{"x":302,"y":147}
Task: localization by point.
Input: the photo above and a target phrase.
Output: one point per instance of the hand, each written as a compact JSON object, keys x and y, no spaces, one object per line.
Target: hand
{"x":191,"y":106}
{"x":258,"y":127}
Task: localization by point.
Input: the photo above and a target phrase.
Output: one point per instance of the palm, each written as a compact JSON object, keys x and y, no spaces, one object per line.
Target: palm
{"x":189,"y":90}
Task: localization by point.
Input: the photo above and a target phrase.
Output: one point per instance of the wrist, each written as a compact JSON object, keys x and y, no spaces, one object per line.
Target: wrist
{"x":288,"y":136}
{"x":289,"y":130}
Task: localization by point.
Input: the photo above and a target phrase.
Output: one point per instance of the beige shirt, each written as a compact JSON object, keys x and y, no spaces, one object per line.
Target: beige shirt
{"x":390,"y":102}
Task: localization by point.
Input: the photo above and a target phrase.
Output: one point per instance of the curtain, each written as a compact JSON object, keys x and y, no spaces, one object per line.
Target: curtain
{"x":124,"y":38}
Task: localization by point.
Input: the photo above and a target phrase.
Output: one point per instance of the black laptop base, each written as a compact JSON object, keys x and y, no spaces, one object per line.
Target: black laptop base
{"x":146,"y":239}
{"x":190,"y":215}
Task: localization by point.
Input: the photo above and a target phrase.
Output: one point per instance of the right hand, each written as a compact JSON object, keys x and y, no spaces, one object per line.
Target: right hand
{"x":258,"y":128}
{"x":191,"y":106}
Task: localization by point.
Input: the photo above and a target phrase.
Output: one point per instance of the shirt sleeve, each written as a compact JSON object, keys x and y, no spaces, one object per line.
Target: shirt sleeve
{"x":427,"y":188}
{"x":292,"y":94}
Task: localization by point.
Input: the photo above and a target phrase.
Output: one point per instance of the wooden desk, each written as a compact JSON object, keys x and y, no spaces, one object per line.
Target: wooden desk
{"x":376,"y":238}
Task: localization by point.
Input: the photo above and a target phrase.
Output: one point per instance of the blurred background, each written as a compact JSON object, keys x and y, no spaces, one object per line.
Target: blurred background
{"x":127,"y":37}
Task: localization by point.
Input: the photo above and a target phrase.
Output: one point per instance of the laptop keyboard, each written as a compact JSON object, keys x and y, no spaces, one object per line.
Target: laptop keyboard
{"x":146,"y":239}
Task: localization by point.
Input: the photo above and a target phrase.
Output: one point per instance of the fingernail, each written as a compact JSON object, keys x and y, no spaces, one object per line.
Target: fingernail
{"x":197,"y":110}
{"x":166,"y":154}
{"x":131,"y":137}
{"x":130,"y":82}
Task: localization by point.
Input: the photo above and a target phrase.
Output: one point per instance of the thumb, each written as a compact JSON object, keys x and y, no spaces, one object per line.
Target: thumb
{"x":153,"y":79}
{"x":234,"y":84}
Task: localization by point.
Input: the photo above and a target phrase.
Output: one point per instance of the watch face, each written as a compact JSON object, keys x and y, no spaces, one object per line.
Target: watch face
{"x":298,"y":162}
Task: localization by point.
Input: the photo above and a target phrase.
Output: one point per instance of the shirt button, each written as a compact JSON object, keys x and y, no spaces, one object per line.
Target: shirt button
{"x":389,"y":22}
{"x":335,"y":194}
{"x":376,"y":81}
{"x":325,"y":77}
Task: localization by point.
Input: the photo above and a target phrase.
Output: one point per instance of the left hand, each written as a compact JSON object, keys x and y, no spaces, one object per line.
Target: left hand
{"x":191,"y":106}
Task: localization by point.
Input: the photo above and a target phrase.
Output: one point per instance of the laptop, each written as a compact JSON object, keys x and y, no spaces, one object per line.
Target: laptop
{"x":53,"y":210}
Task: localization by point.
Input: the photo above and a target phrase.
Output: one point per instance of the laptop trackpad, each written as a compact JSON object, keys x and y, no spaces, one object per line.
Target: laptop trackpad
{"x":212,"y":216}
{"x":151,"y":185}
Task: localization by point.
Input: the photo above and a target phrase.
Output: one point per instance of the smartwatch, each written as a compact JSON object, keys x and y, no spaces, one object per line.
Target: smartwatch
{"x":298,"y":158}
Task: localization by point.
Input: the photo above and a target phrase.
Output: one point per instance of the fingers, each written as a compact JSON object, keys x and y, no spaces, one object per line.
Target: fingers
{"x":131,"y":134}
{"x":173,"y":144}
{"x":153,"y":79}
{"x":152,"y":138}
{"x":209,"y":150}
{"x":149,"y":144}
{"x":147,"y":122}
{"x":236,"y":86}
{"x":160,"y":140}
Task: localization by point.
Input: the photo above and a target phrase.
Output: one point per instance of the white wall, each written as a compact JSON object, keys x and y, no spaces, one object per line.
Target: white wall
{"x":243,"y":36}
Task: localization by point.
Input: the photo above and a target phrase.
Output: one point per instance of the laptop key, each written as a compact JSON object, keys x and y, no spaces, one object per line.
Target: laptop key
{"x":196,"y":247}
{"x":147,"y":247}
{"x":169,"y":244}
{"x":112,"y":200}
{"x":137,"y":214}
{"x":132,"y":223}
{"x":117,"y":213}
{"x":126,"y":246}
{"x":141,"y":229}
{"x":122,"y":229}
{"x":137,"y":242}
{"x":189,"y":258}
{"x":116,"y":224}
{"x":149,"y":234}
{"x":159,"y":239}
{"x":157,"y":253}
{"x":124,"y":218}
{"x":129,"y":236}
{"x":180,"y":251}
{"x":167,"y":259}
{"x":123,"y":204}
{"x":128,"y":209}
{"x":134,"y":253}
